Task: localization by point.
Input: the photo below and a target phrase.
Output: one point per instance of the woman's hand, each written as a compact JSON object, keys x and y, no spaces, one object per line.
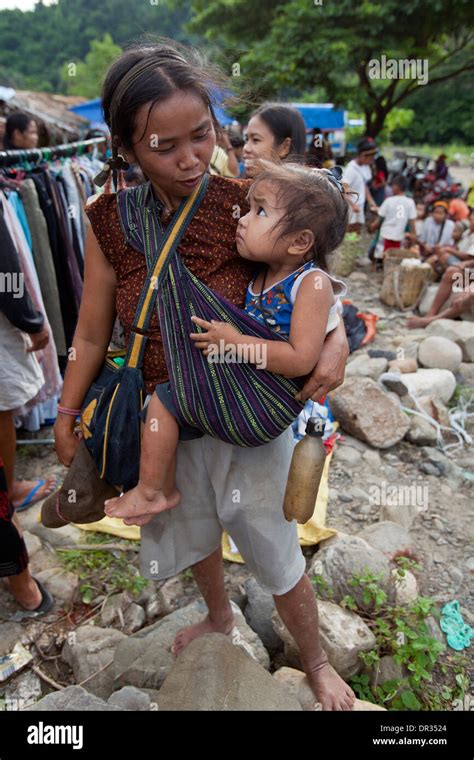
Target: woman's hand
{"x":39,"y":340}
{"x":329,"y":371}
{"x":66,"y":439}
{"x":215,"y":333}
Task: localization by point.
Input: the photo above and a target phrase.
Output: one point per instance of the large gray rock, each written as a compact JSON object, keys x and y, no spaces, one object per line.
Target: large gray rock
{"x":365,"y":366}
{"x":130,"y":698}
{"x":404,"y":588}
{"x":258,"y":614}
{"x":71,"y":699}
{"x":440,"y":353}
{"x":387,"y":669}
{"x":297,"y":684}
{"x":467,"y":371}
{"x":61,"y":584}
{"x":338,"y":561}
{"x":421,"y":432}
{"x":91,"y":651}
{"x":212,"y":674}
{"x":145,"y":659}
{"x":387,"y":537}
{"x":367,"y":413}
{"x":343,"y":635}
{"x":460,"y":332}
{"x":439,"y":383}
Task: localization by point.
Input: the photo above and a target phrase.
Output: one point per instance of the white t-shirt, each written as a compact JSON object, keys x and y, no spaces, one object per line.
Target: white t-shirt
{"x":396,"y":212}
{"x":466,"y":244}
{"x":431,"y":233}
{"x":357,"y":177}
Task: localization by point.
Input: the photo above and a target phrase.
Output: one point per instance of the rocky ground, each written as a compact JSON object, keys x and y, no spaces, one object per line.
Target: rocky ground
{"x":392,"y":492}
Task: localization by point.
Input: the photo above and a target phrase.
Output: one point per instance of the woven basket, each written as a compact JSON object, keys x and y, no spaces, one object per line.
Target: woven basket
{"x":403,"y":286}
{"x":347,"y":254}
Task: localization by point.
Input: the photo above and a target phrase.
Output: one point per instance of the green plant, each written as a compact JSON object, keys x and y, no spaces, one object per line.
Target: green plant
{"x":103,"y":571}
{"x":322,"y":586}
{"x":435,"y":680}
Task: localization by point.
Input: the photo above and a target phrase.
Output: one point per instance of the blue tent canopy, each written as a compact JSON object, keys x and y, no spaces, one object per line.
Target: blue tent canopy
{"x":321,"y":115}
{"x":92,"y":110}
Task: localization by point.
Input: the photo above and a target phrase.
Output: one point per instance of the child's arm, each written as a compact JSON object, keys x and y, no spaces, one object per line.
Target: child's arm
{"x":294,"y":358}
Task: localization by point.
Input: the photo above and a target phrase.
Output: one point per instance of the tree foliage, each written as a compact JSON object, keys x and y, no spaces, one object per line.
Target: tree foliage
{"x":293,"y":47}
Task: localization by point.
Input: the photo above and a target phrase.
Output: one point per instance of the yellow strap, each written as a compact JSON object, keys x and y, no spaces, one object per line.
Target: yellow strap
{"x":159,"y":264}
{"x":136,"y":338}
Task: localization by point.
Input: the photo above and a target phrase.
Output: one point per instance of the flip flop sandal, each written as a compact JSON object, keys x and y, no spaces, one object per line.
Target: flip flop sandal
{"x":30,"y":499}
{"x":45,"y":606}
{"x":458,"y":633}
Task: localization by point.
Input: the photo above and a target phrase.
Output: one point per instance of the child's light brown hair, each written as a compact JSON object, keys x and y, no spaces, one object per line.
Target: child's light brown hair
{"x":312,"y":201}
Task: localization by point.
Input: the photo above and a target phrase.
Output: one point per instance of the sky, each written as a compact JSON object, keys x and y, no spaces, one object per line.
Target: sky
{"x":23,"y":5}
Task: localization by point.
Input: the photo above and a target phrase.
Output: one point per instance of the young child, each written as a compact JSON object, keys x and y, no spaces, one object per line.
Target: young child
{"x":297,"y":217}
{"x":395,"y":214}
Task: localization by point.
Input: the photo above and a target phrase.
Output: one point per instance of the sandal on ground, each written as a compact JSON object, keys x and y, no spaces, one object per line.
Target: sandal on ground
{"x":33,"y":497}
{"x":45,"y":606}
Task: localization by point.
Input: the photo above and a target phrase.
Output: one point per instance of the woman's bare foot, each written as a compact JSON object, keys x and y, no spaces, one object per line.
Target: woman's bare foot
{"x":21,"y":489}
{"x":330,"y":690}
{"x":186,"y":635}
{"x":414,"y":322}
{"x":141,"y":501}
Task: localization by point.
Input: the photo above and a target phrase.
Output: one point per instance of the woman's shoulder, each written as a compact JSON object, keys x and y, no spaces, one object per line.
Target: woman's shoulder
{"x":229,"y":188}
{"x":100,"y":204}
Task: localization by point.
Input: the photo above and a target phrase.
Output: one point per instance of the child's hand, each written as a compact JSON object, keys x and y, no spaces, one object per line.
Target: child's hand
{"x":216,"y":332}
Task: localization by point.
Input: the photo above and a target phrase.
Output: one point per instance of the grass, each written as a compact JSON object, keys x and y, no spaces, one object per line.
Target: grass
{"x":104,"y":572}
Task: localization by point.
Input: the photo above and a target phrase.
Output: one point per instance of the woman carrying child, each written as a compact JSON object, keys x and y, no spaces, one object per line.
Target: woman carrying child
{"x":164,"y":122}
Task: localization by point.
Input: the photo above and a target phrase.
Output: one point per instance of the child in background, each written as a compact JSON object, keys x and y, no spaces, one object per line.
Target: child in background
{"x":297,"y":217}
{"x":395,"y":214}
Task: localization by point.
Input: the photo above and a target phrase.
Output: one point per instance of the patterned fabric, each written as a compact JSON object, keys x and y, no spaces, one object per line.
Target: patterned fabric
{"x":278,"y":300}
{"x":208,"y":250}
{"x":233,"y":401}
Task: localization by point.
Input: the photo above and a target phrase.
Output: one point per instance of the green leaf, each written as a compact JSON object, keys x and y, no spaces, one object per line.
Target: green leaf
{"x":409,"y":700}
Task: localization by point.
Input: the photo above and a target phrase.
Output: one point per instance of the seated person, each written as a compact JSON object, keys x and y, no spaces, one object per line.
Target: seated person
{"x":436,"y":230}
{"x":458,"y":278}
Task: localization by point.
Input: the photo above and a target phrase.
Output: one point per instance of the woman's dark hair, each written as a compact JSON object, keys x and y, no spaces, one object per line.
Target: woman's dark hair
{"x":150,"y":73}
{"x":312,"y":201}
{"x":284,"y":121}
{"x":17,"y":120}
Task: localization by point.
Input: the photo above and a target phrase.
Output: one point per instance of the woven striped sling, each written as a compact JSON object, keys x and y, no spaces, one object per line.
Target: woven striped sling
{"x":230,"y":400}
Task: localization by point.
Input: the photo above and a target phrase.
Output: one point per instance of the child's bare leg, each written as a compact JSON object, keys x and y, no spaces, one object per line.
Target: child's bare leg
{"x":156,"y":488}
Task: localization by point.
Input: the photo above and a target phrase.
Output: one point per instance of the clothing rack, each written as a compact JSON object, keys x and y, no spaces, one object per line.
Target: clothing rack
{"x":49,"y":153}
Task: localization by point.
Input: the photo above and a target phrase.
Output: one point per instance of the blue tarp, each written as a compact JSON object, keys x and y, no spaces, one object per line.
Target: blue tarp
{"x":324,"y":117}
{"x":92,"y":110}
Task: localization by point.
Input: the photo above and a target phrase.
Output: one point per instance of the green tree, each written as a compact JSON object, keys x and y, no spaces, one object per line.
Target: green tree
{"x":292,"y":47}
{"x":85,"y":77}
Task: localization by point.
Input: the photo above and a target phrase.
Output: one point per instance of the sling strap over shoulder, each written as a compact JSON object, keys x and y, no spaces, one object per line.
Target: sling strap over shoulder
{"x":140,"y":224}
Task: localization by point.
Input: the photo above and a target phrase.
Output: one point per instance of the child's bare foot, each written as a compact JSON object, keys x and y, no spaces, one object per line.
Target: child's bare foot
{"x":331,"y":691}
{"x":141,"y":501}
{"x":186,"y":635}
{"x":414,"y":322}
